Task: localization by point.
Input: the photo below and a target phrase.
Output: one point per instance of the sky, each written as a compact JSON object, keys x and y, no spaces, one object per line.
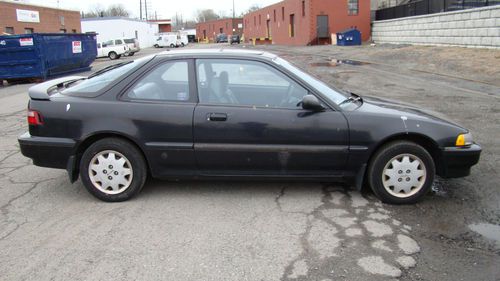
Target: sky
{"x":164,"y":8}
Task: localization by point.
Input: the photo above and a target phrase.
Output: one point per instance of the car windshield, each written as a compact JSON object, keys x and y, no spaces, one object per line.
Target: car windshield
{"x":102,"y":78}
{"x":333,"y":94}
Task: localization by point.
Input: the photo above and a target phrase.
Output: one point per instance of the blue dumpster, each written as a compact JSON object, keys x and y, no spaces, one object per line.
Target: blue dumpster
{"x":349,"y":37}
{"x":43,"y":55}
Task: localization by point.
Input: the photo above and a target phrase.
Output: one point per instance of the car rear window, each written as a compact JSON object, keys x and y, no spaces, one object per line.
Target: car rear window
{"x":92,"y":86}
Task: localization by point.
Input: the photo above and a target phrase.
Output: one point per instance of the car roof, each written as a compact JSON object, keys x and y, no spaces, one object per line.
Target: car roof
{"x":217,"y":52}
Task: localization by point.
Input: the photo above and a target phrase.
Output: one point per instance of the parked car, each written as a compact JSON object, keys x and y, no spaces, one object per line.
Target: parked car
{"x":166,"y":40}
{"x":113,"y":49}
{"x":133,"y":46}
{"x":235,"y":114}
{"x":221,"y":38}
{"x":235,"y":39}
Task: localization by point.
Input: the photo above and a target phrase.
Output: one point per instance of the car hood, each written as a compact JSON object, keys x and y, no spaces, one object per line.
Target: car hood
{"x":401,"y":109}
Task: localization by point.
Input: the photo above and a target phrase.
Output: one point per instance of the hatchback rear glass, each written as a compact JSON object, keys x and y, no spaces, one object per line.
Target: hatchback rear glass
{"x":92,"y":86}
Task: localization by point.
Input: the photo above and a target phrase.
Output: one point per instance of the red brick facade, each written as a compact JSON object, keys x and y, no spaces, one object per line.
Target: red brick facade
{"x":51,"y":20}
{"x":273,"y":23}
{"x":163,"y":25}
{"x":207,"y":31}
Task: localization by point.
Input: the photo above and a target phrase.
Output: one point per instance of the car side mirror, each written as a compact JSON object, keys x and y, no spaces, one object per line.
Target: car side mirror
{"x":311,"y":102}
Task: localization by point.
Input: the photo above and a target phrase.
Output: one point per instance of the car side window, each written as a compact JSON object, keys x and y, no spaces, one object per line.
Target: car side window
{"x":118,"y":42}
{"x":167,"y":82}
{"x":246,"y":83}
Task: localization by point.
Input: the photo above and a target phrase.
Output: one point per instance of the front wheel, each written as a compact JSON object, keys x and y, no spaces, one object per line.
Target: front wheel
{"x":172,"y":46}
{"x":113,"y":56}
{"x":113,"y":170}
{"x":401,"y":172}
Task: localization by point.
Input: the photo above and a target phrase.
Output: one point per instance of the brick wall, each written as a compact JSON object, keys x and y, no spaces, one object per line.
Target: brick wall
{"x":305,"y":16}
{"x":50,"y":19}
{"x":208,"y":31}
{"x":478,"y":27}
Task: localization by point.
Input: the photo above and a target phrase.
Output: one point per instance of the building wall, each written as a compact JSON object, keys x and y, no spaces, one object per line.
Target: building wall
{"x":212,"y":28}
{"x":165,"y":28}
{"x":305,"y":21}
{"x":478,"y":27}
{"x":51,"y":20}
{"x":114,"y":28}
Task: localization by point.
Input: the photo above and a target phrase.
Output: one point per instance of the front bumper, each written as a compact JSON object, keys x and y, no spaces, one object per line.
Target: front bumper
{"x":47,"y":152}
{"x":457,"y":161}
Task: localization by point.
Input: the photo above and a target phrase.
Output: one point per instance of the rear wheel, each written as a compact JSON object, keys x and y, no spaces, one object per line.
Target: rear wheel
{"x":401,"y":172}
{"x":157,"y":46}
{"x":131,"y":54}
{"x":172,"y":46}
{"x":113,"y":170}
{"x":113,"y":56}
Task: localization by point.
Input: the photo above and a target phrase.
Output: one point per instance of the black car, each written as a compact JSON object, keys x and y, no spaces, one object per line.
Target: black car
{"x":235,"y":39}
{"x":222,"y":114}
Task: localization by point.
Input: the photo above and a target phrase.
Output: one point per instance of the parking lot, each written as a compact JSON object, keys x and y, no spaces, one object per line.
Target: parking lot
{"x":52,"y":229}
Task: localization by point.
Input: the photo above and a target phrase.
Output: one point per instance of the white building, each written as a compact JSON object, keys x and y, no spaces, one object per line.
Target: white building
{"x":109,"y":28}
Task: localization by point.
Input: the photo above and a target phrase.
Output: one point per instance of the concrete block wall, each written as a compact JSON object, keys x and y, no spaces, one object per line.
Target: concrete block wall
{"x":478,"y":27}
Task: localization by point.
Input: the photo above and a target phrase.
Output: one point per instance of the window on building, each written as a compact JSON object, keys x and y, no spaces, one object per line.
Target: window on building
{"x":227,"y":26}
{"x":28,"y":30}
{"x":61,"y":20}
{"x":9,"y":30}
{"x":292,"y":25}
{"x":352,"y":7}
{"x":303,"y":8}
{"x":168,"y":82}
{"x":73,"y":30}
{"x":254,"y":20}
{"x":62,"y":30}
{"x":260,"y":20}
{"x":282,"y":13}
{"x":221,"y":30}
{"x":274,"y":15}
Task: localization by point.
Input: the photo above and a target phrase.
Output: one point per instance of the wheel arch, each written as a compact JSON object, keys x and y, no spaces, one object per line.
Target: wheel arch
{"x":426,"y":142}
{"x":73,"y":169}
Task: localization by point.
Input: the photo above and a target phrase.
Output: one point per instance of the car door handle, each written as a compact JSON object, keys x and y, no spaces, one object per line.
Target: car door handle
{"x":217,"y":117}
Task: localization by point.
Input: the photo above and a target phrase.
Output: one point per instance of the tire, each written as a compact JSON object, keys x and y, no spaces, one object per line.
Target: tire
{"x":131,"y":54}
{"x":156,"y":46}
{"x":182,"y":45}
{"x":113,"y":56}
{"x":129,"y":170}
{"x":172,"y":46}
{"x":401,"y":172}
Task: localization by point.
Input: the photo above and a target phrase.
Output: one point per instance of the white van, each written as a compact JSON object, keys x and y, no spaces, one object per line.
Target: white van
{"x":182,"y":40}
{"x":166,"y":40}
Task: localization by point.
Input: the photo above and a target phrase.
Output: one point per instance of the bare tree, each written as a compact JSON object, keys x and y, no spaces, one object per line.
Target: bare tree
{"x":115,"y":10}
{"x":206,"y":15}
{"x":253,"y":8}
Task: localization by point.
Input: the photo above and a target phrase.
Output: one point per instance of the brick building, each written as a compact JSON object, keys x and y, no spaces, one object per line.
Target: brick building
{"x":18,"y":18}
{"x":306,"y":22}
{"x":207,"y":31}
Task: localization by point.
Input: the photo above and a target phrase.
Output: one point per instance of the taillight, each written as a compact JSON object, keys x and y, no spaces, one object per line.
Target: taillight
{"x":34,"y":118}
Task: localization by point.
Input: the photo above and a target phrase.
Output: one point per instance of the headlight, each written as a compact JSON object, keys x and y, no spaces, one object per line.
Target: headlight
{"x":464,"y":140}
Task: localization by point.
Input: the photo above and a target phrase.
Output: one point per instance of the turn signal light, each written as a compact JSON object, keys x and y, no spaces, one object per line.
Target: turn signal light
{"x":34,"y":118}
{"x":464,"y":140}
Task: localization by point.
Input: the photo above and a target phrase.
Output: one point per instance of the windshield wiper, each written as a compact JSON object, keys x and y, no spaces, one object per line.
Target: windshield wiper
{"x":352,"y":98}
{"x":106,"y":69}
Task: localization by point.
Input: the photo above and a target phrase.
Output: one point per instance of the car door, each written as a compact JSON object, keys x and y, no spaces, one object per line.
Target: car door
{"x":249,"y":122}
{"x":163,"y":105}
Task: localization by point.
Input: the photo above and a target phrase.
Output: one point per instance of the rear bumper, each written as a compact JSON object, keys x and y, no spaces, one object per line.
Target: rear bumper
{"x":456,"y":162}
{"x":47,"y":152}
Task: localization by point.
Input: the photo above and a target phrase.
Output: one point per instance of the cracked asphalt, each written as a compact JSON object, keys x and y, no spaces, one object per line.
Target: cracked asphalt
{"x":53,"y":230}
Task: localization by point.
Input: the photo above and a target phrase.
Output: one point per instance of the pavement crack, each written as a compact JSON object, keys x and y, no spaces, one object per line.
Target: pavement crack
{"x":277,"y":198}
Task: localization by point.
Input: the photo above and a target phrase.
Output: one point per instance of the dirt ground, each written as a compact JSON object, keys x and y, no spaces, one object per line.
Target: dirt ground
{"x":51,"y":229}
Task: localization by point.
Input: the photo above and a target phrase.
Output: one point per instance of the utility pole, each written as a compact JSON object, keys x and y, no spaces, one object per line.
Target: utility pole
{"x":146,"y":9}
{"x":234,"y":12}
{"x":140,"y":9}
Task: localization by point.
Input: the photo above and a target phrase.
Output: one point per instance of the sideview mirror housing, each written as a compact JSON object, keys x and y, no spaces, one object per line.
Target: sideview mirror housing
{"x":310,"y":102}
